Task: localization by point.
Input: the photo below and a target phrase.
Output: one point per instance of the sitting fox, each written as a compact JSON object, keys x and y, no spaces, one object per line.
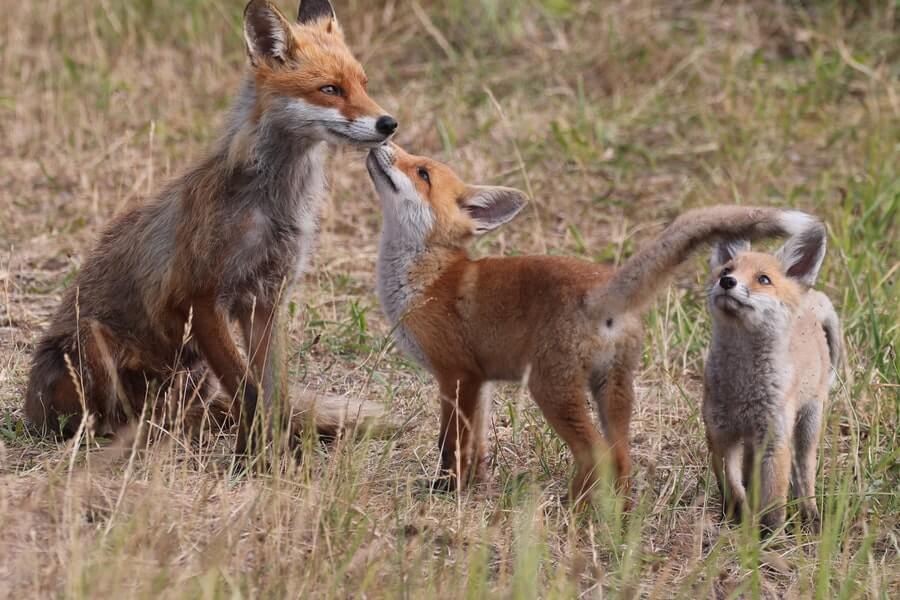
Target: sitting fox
{"x":776,"y":345}
{"x":220,"y":244}
{"x":573,"y":325}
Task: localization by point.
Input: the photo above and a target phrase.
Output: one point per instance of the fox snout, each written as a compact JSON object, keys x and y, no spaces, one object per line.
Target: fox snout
{"x":386,"y":125}
{"x":726,"y":282}
{"x":730,"y":296}
{"x":379,"y":164}
{"x":363,"y":130}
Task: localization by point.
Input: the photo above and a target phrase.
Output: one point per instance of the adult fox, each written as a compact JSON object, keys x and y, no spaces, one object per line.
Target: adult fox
{"x":573,"y":326}
{"x":219,"y":244}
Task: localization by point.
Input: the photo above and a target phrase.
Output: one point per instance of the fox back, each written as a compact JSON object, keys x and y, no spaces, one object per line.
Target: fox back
{"x":571,"y":325}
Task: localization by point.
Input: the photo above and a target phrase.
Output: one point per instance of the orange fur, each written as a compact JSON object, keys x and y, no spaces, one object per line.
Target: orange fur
{"x":318,"y":56}
{"x":573,"y":327}
{"x":222,"y":243}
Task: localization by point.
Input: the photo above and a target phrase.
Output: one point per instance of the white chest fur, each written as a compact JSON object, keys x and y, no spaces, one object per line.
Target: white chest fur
{"x":397,"y":293}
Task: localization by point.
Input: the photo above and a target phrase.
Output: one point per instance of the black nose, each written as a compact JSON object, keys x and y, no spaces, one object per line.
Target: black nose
{"x":386,"y":125}
{"x":727,"y":282}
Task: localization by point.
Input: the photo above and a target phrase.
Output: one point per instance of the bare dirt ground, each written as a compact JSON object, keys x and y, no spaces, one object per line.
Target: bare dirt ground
{"x":614,"y":116}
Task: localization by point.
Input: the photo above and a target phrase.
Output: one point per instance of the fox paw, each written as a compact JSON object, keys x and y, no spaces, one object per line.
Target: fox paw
{"x":445,"y":484}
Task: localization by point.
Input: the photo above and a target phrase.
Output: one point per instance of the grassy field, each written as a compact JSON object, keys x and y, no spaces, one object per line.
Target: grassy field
{"x":614,"y":116}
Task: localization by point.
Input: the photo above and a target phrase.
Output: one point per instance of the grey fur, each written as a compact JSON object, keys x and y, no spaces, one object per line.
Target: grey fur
{"x":313,"y":10}
{"x":395,"y":291}
{"x":403,"y":236}
{"x":725,"y":250}
{"x":770,"y":365}
{"x":153,"y":258}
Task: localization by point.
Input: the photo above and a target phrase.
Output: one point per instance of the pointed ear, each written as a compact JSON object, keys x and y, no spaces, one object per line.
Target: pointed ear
{"x":802,"y":254}
{"x":492,"y":206}
{"x":266,"y":32}
{"x":313,"y":10}
{"x":725,"y":251}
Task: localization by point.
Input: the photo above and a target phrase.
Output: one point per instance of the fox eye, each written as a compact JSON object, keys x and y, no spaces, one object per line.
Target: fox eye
{"x":422,"y":172}
{"x":725,"y":271}
{"x":332,"y":90}
{"x":764,"y":280}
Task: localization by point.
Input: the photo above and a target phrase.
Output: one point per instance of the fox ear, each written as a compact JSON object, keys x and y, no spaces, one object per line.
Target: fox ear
{"x":492,"y":206}
{"x":725,"y":251}
{"x":802,"y":254}
{"x":266,"y":32}
{"x":313,"y":10}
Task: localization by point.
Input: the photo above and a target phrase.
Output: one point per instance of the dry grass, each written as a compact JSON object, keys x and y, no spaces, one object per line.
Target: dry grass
{"x":615,"y":116}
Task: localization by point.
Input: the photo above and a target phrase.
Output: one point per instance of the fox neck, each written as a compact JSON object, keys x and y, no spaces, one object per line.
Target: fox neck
{"x":283,"y":167}
{"x":407,"y":265}
{"x":268,"y":142}
{"x":760,"y":353}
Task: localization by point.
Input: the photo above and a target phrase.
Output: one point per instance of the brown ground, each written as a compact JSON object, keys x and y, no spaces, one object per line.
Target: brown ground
{"x":614,"y":116}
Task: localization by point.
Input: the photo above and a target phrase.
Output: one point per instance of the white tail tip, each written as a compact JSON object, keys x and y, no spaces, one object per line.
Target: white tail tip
{"x":795,"y":221}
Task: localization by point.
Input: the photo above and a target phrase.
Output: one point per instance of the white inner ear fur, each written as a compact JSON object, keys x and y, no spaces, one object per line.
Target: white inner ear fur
{"x":509,"y":203}
{"x":725,"y":251}
{"x":803,"y":254}
{"x":276,"y":32}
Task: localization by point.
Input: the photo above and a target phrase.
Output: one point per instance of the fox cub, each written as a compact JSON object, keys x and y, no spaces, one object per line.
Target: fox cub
{"x":776,"y":345}
{"x":573,"y":325}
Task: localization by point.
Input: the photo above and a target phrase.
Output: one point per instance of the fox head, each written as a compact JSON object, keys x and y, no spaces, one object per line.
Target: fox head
{"x":760,"y":290}
{"x":424,"y":200}
{"x":307,"y":82}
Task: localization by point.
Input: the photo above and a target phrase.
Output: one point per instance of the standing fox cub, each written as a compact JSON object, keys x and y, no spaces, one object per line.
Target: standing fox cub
{"x":776,"y":345}
{"x":573,"y":326}
{"x":219,"y":244}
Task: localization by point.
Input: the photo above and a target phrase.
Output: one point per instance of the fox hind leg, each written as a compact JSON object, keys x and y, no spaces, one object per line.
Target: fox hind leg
{"x":613,"y":396}
{"x":60,"y":390}
{"x":564,"y":405}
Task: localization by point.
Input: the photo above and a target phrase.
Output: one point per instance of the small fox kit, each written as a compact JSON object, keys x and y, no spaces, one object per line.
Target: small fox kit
{"x":219,"y":244}
{"x":574,"y":326}
{"x":776,"y":345}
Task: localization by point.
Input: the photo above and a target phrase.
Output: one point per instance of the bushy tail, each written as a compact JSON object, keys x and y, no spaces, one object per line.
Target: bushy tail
{"x":335,"y":415}
{"x":645,"y":274}
{"x":831,"y":325}
{"x":331,"y":415}
{"x":48,"y":370}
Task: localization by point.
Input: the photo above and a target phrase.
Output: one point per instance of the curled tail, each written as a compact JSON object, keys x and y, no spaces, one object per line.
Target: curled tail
{"x":645,"y":274}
